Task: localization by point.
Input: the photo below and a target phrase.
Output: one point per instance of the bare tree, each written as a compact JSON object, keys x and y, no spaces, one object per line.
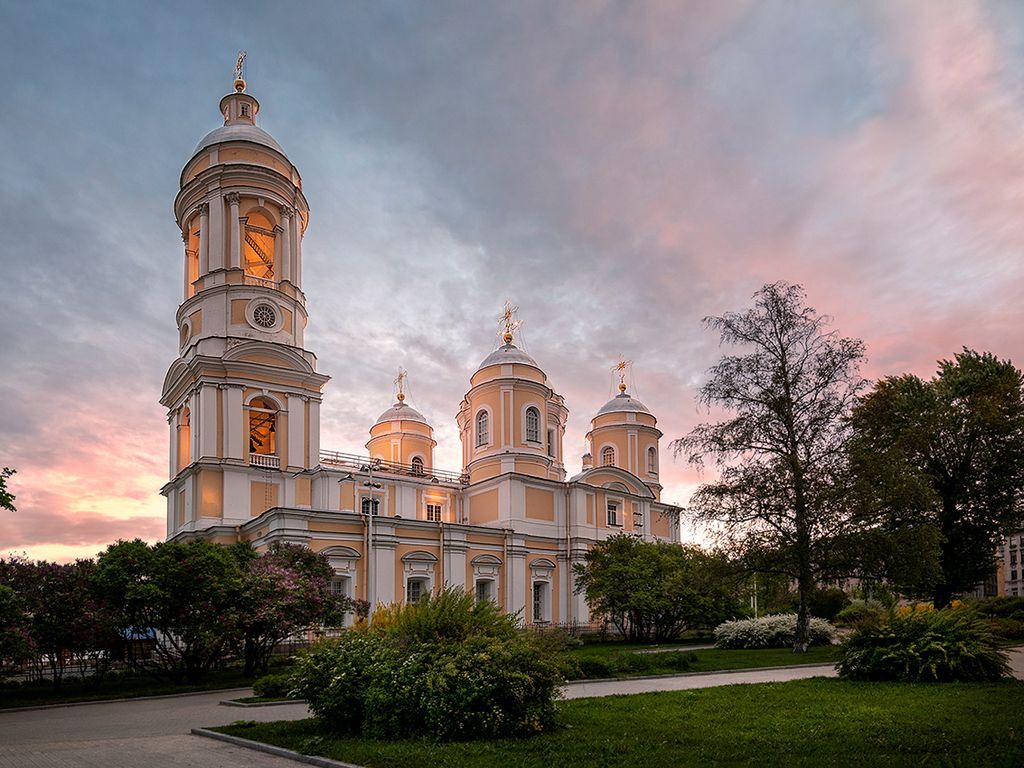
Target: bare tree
{"x":781,"y":458}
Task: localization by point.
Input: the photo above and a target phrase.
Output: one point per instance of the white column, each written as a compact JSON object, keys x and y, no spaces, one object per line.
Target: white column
{"x":296,"y":245}
{"x":286,"y":245}
{"x":314,"y":432}
{"x":184,"y":239}
{"x":208,"y":421}
{"x":235,"y":232}
{"x":172,"y":467}
{"x":204,"y":238}
{"x":296,"y":430}
{"x":195,"y":426}
{"x":217,"y":233}
{"x":234,"y":429}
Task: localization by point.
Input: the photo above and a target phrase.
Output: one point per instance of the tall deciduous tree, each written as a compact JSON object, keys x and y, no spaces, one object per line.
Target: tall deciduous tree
{"x":949,"y":452}
{"x":655,"y":591}
{"x":779,"y":499}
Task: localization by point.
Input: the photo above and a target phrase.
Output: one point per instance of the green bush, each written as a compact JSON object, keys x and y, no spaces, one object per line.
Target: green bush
{"x":448,"y":667}
{"x":860,"y":614}
{"x":924,"y":646}
{"x":826,"y":603}
{"x":1004,"y":616}
{"x":277,"y":686}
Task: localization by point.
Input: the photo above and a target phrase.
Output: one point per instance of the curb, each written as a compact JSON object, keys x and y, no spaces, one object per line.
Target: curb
{"x":120,"y":701}
{"x":588,"y":681}
{"x":278,"y":703}
{"x":269,"y":749}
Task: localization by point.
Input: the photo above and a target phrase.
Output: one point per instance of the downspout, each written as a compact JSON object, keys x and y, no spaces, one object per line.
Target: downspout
{"x":504,"y":566}
{"x":440,"y":552}
{"x":568,"y":562}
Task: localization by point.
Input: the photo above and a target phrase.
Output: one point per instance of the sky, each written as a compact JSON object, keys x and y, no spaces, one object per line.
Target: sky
{"x":617,"y":170}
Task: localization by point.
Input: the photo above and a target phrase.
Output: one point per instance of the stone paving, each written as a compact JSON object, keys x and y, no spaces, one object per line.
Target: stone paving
{"x":155,"y":733}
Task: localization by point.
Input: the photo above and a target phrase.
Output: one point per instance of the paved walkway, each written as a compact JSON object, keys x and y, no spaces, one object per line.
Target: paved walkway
{"x":155,"y":733}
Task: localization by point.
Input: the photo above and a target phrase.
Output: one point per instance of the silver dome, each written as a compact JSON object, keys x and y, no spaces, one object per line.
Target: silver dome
{"x":506,"y":354}
{"x":401,"y":412}
{"x":238,"y":132}
{"x":623,"y":403}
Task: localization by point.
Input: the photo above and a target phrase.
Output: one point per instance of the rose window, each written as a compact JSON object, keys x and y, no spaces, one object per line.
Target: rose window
{"x":264,"y":316}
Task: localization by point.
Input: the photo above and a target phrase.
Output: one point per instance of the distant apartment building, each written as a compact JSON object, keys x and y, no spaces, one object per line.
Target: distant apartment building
{"x":1012,"y":565}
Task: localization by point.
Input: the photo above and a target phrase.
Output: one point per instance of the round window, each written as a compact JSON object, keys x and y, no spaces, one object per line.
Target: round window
{"x":264,"y":316}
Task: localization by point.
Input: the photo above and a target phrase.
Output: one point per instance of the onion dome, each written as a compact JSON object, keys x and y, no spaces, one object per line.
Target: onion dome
{"x":400,"y":411}
{"x":623,"y":403}
{"x":506,"y":354}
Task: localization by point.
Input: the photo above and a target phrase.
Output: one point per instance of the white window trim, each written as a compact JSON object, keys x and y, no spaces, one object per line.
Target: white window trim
{"x":250,"y":308}
{"x":541,"y":425}
{"x":615,"y":455}
{"x":477,"y":445}
{"x":620,"y":505}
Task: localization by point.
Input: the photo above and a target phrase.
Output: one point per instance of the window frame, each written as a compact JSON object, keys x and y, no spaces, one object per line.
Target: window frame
{"x":612,"y":508}
{"x":439,"y":508}
{"x":531,"y":436}
{"x":482,"y":438}
{"x":614,"y":454}
{"x":373,"y":502}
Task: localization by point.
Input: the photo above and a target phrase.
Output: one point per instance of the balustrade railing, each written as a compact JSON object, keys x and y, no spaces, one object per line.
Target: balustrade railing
{"x":356,"y":463}
{"x":267,"y":461}
{"x":262,"y":282}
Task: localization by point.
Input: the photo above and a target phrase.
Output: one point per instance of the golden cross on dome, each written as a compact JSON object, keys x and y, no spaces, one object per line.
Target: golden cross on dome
{"x":509,"y":322}
{"x":400,"y":383}
{"x":240,"y":64}
{"x":620,"y":368}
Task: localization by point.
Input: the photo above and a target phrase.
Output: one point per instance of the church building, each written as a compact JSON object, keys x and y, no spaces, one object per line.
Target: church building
{"x":243,"y":401}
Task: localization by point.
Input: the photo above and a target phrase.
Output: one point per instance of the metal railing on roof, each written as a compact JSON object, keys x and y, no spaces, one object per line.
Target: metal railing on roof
{"x":356,"y":463}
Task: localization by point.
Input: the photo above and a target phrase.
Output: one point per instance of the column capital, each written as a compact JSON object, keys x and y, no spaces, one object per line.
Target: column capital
{"x":204,"y":209}
{"x":287,"y":211}
{"x":232,"y":198}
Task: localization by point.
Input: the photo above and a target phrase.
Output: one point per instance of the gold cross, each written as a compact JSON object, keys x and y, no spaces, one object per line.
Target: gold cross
{"x":508,"y":321}
{"x":239,"y":64}
{"x":621,"y":367}
{"x":400,"y":383}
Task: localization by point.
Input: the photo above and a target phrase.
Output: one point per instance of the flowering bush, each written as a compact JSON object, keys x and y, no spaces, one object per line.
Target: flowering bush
{"x":925,"y":646}
{"x":770,"y":632}
{"x":447,"y":667}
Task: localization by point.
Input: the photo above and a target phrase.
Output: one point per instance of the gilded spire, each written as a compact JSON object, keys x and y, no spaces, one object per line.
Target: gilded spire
{"x":620,"y":368}
{"x":509,"y":323}
{"x":400,"y":383}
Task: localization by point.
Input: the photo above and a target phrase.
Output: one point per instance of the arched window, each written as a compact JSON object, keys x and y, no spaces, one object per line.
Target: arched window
{"x":258,"y":250}
{"x":652,"y":461}
{"x":608,"y":457}
{"x":417,"y":466}
{"x":262,"y":427}
{"x":532,"y":425}
{"x":483,"y":432}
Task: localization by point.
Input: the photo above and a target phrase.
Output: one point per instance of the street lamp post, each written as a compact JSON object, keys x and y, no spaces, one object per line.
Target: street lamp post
{"x":371,"y":555}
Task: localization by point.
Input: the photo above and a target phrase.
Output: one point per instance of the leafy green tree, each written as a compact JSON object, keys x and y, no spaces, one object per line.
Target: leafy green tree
{"x":65,"y":624}
{"x":779,"y":500}
{"x":6,"y":497}
{"x":285,"y":590}
{"x":655,"y":591}
{"x":15,"y":639}
{"x":184,"y":595}
{"x":949,"y":453}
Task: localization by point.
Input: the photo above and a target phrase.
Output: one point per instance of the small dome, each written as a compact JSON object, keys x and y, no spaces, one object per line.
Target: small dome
{"x":507,"y":354}
{"x":401,"y":412}
{"x":623,"y":403}
{"x":238,"y":132}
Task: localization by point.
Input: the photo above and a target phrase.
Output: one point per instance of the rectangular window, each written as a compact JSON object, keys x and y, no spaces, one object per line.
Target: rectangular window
{"x":339,"y":585}
{"x":483,"y":591}
{"x":414,"y":590}
{"x":1013,"y":575}
{"x":638,"y":520}
{"x":540,"y":605}
{"x":434,"y":513}
{"x":613,"y":513}
{"x":371,"y":505}
{"x":551,"y":443}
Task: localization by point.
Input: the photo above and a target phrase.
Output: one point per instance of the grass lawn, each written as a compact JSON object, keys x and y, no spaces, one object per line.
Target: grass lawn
{"x":623,"y":660}
{"x":130,"y":686}
{"x":820,"y":722}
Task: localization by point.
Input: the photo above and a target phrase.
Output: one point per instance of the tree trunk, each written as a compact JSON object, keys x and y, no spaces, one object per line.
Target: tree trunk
{"x":250,"y":658}
{"x":800,"y":639}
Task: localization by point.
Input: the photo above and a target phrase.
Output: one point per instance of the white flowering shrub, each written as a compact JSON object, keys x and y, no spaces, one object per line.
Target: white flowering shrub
{"x":775,"y":631}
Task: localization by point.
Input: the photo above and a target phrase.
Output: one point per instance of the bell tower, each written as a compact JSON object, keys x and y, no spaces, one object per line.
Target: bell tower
{"x":243,"y":395}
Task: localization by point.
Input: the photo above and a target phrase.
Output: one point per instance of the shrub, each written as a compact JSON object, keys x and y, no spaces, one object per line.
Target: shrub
{"x":277,"y":686}
{"x":861,"y":613}
{"x":770,"y":632}
{"x":448,"y":667}
{"x":925,"y":646}
{"x":1003,"y":615}
{"x":826,"y":603}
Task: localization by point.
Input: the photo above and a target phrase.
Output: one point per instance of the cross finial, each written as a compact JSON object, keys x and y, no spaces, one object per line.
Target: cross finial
{"x":400,"y":383}
{"x":239,"y":70}
{"x":620,"y":368}
{"x":508,"y":322}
